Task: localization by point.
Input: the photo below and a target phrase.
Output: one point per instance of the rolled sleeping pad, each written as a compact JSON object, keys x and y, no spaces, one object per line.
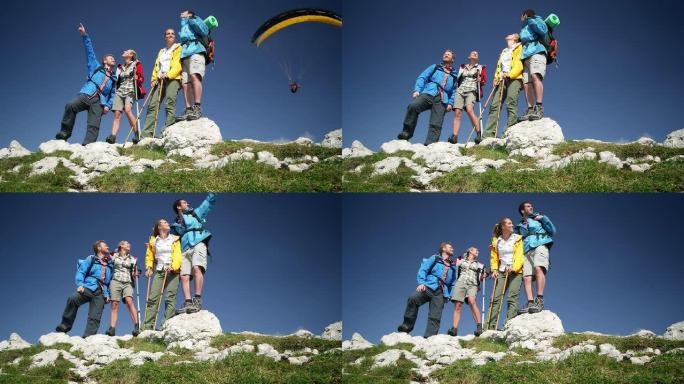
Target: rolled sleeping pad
{"x":552,"y":20}
{"x":211,"y":22}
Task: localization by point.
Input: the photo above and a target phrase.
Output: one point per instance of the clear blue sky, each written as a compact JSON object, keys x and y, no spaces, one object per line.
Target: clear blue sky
{"x":614,"y":264}
{"x":275,"y":264}
{"x":246,"y":92}
{"x":619,"y":75}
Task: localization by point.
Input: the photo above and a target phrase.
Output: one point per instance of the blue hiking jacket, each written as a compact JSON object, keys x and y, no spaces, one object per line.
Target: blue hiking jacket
{"x":192,"y":28}
{"x":96,"y":75}
{"x":533,"y":30}
{"x":536,"y":233}
{"x":431,"y":278}
{"x":90,"y":280}
{"x":192,"y":231}
{"x":431,"y":79}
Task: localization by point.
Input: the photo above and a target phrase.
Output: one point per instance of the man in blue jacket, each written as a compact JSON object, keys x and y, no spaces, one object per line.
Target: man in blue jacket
{"x":534,"y":63}
{"x":537,"y":231}
{"x":193,"y":62}
{"x":434,"y":90}
{"x":96,"y":95}
{"x":92,"y":281}
{"x":436,"y":277}
{"x":189,"y":225}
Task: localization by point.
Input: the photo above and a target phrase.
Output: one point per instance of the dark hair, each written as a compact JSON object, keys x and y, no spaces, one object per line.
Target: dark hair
{"x":191,"y":12}
{"x":176,"y":204}
{"x":521,"y":206}
{"x":442,"y":245}
{"x":96,"y":245}
{"x":498,"y":227}
{"x":529,"y":13}
{"x":155,"y":230}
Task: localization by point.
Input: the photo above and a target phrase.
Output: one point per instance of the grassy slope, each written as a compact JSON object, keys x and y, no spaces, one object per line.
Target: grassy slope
{"x":238,"y":368}
{"x":240,"y":176}
{"x":579,"y":368}
{"x":582,"y":176}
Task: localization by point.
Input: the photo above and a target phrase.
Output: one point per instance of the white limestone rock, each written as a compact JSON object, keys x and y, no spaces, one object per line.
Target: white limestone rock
{"x":196,"y":133}
{"x":675,"y":331}
{"x":357,"y":150}
{"x":333,"y":332}
{"x":540,"y":326}
{"x":530,"y":134}
{"x":333,"y":139}
{"x":14,"y":342}
{"x":644,"y":333}
{"x":357,"y":342}
{"x":15,"y":149}
{"x":675,"y":139}
{"x":199,"y":326}
{"x":269,"y":159}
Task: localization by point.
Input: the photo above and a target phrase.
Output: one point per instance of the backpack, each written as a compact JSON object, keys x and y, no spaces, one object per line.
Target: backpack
{"x":551,"y":44}
{"x":81,"y":262}
{"x":435,"y":259}
{"x":209,"y":47}
{"x":440,"y":67}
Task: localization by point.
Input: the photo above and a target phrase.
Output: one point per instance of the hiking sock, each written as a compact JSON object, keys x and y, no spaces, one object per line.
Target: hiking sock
{"x":198,"y":296}
{"x":198,"y":104}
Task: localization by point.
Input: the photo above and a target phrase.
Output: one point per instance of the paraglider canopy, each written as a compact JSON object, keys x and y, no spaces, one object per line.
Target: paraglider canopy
{"x":292,"y":17}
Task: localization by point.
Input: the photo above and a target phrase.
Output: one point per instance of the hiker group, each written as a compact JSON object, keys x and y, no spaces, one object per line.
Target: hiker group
{"x":179,"y":65}
{"x":443,"y":87}
{"x":519,"y":255}
{"x":175,"y":253}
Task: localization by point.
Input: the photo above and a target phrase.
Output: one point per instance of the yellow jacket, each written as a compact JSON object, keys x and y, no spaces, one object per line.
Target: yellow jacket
{"x":516,"y":65}
{"x":175,"y":69}
{"x":175,"y":253}
{"x":517,"y":254}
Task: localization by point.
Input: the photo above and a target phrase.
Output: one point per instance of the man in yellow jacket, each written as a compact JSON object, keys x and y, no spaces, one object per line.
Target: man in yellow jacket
{"x":508,"y":77}
{"x":167,"y":75}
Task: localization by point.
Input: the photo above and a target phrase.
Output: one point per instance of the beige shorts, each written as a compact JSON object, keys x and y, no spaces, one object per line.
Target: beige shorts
{"x":461,"y":291}
{"x":119,"y":102}
{"x":119,"y":290}
{"x":538,"y":257}
{"x":194,"y":257}
{"x":193,"y":65}
{"x":464,"y":100}
{"x":534,"y":64}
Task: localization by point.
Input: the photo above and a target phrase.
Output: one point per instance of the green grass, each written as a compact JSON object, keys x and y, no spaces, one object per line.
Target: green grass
{"x":138,"y":345}
{"x":281,"y":344}
{"x":622,"y":343}
{"x":280,"y":151}
{"x":480,"y":345}
{"x":59,"y":373}
{"x":480,"y":152}
{"x":622,"y":151}
{"x":143,"y":152}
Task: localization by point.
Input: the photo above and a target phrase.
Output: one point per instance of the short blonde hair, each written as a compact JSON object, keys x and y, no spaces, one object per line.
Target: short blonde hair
{"x":134,"y":53}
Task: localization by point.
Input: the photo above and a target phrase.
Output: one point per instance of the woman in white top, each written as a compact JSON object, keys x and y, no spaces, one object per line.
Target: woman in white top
{"x":506,"y":261}
{"x":163,"y":260}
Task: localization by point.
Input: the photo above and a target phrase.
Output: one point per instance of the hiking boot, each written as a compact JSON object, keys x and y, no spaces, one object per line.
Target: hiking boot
{"x":526,"y":308}
{"x":196,"y":305}
{"x":111,"y":139}
{"x":404,"y":135}
{"x":61,"y":328}
{"x":111,"y":331}
{"x":478,"y":331}
{"x":403,"y":329}
{"x":184,"y":308}
{"x":61,"y":135}
{"x":185,"y":114}
{"x":136,"y":137}
{"x":195,"y":113}
{"x":136,"y":330}
{"x":537,"y":306}
{"x":527,"y":115}
{"x":478,"y":138}
{"x":537,"y":113}
{"x":453,"y":139}
{"x":452,"y":331}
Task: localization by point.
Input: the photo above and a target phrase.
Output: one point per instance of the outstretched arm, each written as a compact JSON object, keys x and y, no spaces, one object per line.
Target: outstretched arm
{"x":198,"y":27}
{"x":548,"y":225}
{"x":91,"y":58}
{"x":206,"y":205}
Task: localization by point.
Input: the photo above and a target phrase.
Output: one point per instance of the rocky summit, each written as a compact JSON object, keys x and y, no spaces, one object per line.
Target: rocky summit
{"x":185,"y":338}
{"x":526,"y":339}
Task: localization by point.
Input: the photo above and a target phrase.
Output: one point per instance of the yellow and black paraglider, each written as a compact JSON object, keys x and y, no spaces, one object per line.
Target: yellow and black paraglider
{"x":287,"y":19}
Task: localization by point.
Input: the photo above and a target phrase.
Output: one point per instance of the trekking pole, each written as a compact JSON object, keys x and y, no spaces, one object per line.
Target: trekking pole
{"x":498,"y":114}
{"x":501,"y":302}
{"x":137,"y":117}
{"x":161,"y":86}
{"x":491,"y":303}
{"x":481,"y":112}
{"x":166,"y":273}
{"x":484,"y":292}
{"x":137,"y":290}
{"x":147,"y":299}
{"x":479,"y":102}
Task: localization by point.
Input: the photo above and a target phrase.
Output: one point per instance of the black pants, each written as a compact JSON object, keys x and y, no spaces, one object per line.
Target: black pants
{"x":96,"y":300}
{"x":78,"y":104}
{"x":436,"y":300}
{"x":421,"y":104}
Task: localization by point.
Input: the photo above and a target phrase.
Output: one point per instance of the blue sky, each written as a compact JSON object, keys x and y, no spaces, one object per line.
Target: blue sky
{"x":617,"y":80}
{"x":275,"y":264}
{"x":613,"y":265}
{"x":246,"y":92}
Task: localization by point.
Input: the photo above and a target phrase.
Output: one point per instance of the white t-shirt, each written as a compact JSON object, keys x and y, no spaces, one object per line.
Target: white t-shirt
{"x":162,"y":251}
{"x":165,"y":58}
{"x":505,"y":248}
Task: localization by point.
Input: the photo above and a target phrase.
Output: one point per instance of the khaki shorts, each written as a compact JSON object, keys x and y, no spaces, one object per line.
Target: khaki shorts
{"x":538,"y":257}
{"x":194,"y":257}
{"x":119,"y":290}
{"x":534,"y":64}
{"x":464,"y":100}
{"x":193,"y":65}
{"x":119,"y":102}
{"x":461,"y":291}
